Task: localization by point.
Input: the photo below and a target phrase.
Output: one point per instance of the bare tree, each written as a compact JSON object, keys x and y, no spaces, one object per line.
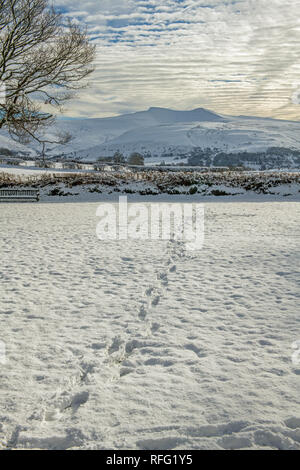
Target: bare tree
{"x":118,"y":158}
{"x":62,"y":138}
{"x":136,"y":159}
{"x":43,"y":61}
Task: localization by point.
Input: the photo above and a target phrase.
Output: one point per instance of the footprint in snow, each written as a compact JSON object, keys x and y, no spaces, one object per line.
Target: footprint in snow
{"x":155,"y":301}
{"x":149,"y":291}
{"x":199,"y":352}
{"x":66,"y":403}
{"x":116,"y":345}
{"x":142,"y":313}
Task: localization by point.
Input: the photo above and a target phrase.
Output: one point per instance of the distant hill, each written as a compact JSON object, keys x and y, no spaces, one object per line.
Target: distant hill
{"x":164,"y":134}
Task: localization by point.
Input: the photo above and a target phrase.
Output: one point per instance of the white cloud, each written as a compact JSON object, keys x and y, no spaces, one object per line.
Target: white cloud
{"x":234,"y":56}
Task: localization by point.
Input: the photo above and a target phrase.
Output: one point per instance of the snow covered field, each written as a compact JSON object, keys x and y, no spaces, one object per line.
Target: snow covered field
{"x":34,"y":171}
{"x":142,"y":345}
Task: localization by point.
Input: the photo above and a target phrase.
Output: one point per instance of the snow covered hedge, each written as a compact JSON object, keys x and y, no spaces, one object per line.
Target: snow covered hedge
{"x":156,"y":182}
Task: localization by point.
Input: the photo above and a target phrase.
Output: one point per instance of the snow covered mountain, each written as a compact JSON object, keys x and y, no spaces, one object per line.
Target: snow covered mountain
{"x":165,"y":132}
{"x":9,"y":147}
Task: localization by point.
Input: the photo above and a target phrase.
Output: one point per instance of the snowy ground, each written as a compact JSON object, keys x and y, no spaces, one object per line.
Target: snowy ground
{"x":142,"y":345}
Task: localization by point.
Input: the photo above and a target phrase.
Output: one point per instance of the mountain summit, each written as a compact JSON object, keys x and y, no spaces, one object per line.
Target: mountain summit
{"x":160,"y":132}
{"x":163,"y":115}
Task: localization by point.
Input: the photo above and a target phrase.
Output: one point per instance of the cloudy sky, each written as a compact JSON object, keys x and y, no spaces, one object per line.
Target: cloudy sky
{"x":230,"y":56}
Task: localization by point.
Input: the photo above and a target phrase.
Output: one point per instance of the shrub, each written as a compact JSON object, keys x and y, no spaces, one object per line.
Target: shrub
{"x":193,"y":190}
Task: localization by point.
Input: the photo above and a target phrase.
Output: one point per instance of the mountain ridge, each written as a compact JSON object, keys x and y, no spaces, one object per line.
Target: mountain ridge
{"x":160,"y":131}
